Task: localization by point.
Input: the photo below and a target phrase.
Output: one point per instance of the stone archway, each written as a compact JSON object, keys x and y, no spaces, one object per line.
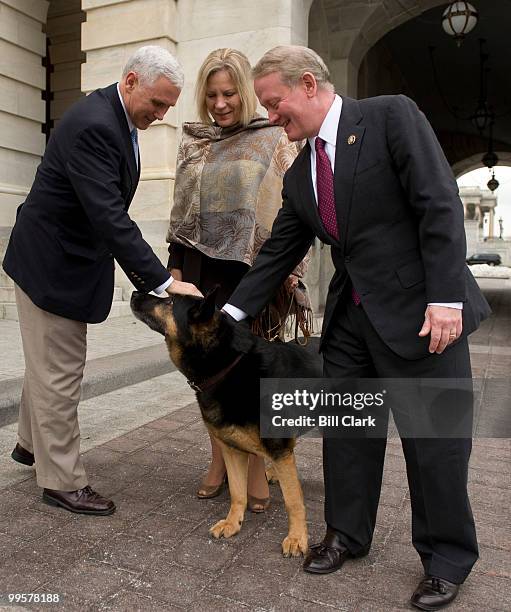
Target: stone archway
{"x":343,"y":31}
{"x":474,"y":162}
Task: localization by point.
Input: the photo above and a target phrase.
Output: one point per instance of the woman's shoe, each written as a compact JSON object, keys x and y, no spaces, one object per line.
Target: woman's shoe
{"x":257,"y":504}
{"x":210,"y":491}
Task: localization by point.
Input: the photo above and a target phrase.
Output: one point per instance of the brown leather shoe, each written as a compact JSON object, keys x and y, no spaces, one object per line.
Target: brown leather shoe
{"x":434,"y":593}
{"x":329,"y":555}
{"x":82,"y":501}
{"x":22,"y":455}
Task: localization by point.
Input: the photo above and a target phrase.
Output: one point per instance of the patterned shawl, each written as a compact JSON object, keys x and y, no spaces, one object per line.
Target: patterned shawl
{"x":228,"y":191}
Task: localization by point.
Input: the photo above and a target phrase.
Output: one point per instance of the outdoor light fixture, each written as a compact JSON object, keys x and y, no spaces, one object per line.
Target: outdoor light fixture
{"x":493,"y":182}
{"x":483,"y":114}
{"x":490,"y":159}
{"x":458,"y":19}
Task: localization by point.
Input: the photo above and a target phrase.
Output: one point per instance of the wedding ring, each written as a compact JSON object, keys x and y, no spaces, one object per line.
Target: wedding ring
{"x":452,"y":335}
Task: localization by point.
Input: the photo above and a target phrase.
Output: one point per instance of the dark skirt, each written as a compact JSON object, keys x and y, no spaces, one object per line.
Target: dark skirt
{"x":205,"y":272}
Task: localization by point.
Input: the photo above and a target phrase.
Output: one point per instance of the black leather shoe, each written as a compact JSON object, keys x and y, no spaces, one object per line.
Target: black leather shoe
{"x":329,"y":555}
{"x":434,"y":593}
{"x":21,"y":455}
{"x":82,"y":501}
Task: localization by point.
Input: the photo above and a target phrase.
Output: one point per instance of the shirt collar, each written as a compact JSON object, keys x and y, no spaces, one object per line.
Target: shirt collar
{"x":131,"y":126}
{"x":328,"y":129}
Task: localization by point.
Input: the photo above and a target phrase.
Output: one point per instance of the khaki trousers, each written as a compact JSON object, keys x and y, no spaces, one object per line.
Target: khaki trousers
{"x":55,"y":350}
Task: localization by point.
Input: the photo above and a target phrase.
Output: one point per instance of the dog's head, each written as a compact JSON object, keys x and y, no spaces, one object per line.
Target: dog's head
{"x":184,"y":320}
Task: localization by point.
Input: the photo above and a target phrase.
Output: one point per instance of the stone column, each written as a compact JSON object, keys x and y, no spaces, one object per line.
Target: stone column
{"x":479,"y":215}
{"x":251,"y":27}
{"x":22,"y":78}
{"x":472,"y":233}
{"x":491,"y":221}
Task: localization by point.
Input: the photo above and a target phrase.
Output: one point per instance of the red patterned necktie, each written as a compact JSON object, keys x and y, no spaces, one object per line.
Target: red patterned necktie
{"x":326,"y":199}
{"x":325,"y":189}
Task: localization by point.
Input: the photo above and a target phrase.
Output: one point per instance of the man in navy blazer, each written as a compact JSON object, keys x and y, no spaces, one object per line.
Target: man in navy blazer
{"x":61,"y":253}
{"x":400,"y":304}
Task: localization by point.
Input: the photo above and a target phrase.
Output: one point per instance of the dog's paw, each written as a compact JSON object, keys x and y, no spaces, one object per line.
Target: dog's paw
{"x":225,"y":528}
{"x":293,"y":546}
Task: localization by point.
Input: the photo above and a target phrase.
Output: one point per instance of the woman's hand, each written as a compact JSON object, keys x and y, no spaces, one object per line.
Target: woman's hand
{"x":291,"y":283}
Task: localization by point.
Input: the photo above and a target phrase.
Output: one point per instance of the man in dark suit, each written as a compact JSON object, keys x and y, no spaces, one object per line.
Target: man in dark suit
{"x":61,"y":253}
{"x":372,"y":182}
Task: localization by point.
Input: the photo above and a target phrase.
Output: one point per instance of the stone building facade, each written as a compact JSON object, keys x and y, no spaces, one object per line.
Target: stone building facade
{"x":86,"y":43}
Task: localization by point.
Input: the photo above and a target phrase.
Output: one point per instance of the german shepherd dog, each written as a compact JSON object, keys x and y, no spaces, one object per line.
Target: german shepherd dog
{"x":223,"y":361}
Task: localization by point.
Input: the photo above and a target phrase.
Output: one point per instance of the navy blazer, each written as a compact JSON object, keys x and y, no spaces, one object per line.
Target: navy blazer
{"x":75,"y":219}
{"x":400,"y":219}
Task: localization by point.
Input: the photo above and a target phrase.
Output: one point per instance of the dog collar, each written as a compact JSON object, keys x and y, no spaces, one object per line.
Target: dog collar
{"x":211,"y":382}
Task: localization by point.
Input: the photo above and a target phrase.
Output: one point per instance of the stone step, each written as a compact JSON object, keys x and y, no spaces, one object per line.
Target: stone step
{"x":120,"y":309}
{"x":101,"y":375}
{"x":5,"y":233}
{"x":9,"y":312}
{"x":7,"y":293}
{"x":5,"y":281}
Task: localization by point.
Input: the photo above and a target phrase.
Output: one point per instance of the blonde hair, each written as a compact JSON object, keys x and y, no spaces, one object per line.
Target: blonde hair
{"x":238,"y":67}
{"x":291,"y":62}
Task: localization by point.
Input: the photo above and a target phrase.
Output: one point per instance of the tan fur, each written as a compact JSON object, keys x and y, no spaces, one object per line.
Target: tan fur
{"x":245,"y":439}
{"x":175,"y":352}
{"x":236,"y":443}
{"x":164,"y":315}
{"x":295,"y":543}
{"x":236,"y":462}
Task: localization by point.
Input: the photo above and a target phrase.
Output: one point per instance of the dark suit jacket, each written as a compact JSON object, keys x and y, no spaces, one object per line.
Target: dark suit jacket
{"x":402,"y":239}
{"x":75,"y":220}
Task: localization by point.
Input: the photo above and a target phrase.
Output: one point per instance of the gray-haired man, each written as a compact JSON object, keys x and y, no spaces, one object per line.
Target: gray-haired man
{"x":68,"y":232}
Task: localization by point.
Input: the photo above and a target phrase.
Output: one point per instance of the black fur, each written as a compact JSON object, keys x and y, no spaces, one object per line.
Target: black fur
{"x":209,"y":341}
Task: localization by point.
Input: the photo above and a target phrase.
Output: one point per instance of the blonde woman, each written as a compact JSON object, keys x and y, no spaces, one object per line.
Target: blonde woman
{"x":227,"y":194}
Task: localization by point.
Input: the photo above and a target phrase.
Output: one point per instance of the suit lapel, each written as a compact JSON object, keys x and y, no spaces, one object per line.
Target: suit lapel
{"x":112,"y":95}
{"x":346,"y":158}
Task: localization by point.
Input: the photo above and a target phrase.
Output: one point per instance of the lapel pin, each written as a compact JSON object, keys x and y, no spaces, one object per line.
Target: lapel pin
{"x":352,"y":139}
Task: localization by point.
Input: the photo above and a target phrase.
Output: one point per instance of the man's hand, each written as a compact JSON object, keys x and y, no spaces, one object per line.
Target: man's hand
{"x":445,"y":326}
{"x":177,"y":274}
{"x":178,"y":287}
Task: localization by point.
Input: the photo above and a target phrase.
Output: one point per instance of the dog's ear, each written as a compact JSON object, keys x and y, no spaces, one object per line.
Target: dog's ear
{"x":205,"y":310}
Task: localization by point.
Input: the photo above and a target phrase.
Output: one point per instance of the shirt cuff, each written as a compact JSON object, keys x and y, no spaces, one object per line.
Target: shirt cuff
{"x":236,"y":313}
{"x":457,"y":305}
{"x":159,"y":290}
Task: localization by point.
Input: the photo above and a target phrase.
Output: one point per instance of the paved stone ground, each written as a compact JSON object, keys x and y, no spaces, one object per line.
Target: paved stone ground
{"x":155,"y":552}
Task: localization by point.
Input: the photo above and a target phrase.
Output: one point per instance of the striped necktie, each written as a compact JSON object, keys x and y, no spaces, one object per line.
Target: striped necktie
{"x":134,"y":142}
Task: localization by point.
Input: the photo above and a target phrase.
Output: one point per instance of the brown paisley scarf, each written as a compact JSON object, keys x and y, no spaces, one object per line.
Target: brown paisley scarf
{"x":226,"y":196}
